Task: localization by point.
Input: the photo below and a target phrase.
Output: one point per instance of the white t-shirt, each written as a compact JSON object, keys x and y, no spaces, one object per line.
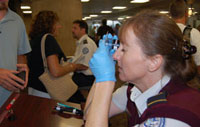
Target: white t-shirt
{"x":120,"y":100}
{"x":195,"y":40}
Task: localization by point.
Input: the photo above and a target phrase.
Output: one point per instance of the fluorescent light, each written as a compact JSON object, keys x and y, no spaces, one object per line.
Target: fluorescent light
{"x":164,"y":12}
{"x":139,"y":1}
{"x":190,"y":8}
{"x":120,"y":18}
{"x":190,"y":12}
{"x":93,"y":15}
{"x":87,"y":17}
{"x":85,"y":0}
{"x":25,"y":7}
{"x":128,"y":17}
{"x":119,"y":7}
{"x":27,"y":12}
{"x":106,"y":11}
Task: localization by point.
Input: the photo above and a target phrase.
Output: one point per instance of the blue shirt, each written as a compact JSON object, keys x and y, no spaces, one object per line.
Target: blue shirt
{"x":13,"y":42}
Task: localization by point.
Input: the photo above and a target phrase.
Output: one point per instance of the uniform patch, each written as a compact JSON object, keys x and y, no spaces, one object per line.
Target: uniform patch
{"x":155,"y":122}
{"x":85,"y":42}
{"x":85,"y":50}
{"x":157,"y":99}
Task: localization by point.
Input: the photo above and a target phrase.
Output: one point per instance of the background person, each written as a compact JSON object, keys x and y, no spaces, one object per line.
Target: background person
{"x":152,"y":56}
{"x":13,"y":45}
{"x":116,"y":30}
{"x":179,"y":12}
{"x":102,"y":30}
{"x":92,"y":33}
{"x":85,"y":47}
{"x":46,"y":22}
{"x":198,"y":28}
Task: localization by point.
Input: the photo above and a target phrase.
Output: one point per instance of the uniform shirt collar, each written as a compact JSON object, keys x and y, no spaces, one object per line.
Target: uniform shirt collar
{"x":82,"y":38}
{"x":140,"y":98}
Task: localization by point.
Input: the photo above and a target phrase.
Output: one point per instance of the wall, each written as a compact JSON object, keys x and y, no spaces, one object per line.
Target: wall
{"x":68,"y":11}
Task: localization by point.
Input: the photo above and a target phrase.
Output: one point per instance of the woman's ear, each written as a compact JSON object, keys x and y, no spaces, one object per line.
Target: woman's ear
{"x":155,"y":62}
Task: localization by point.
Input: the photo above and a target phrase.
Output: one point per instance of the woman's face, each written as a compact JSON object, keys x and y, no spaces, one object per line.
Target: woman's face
{"x":56,"y":28}
{"x":132,"y":62}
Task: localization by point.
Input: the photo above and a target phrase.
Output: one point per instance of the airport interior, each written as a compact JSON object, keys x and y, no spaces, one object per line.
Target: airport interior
{"x":92,"y":12}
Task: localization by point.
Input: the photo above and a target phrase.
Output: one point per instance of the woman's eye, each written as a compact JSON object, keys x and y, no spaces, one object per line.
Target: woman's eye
{"x":123,"y":50}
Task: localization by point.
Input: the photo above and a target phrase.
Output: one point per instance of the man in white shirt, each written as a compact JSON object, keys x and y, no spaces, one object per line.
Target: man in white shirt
{"x":179,"y":12}
{"x":85,"y":47}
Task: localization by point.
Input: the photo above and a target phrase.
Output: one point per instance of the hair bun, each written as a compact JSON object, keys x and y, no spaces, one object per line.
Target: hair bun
{"x":188,"y":50}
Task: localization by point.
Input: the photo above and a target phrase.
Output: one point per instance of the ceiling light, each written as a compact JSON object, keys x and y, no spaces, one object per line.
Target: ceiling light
{"x":27,"y":12}
{"x":139,"y":1}
{"x":106,"y":11}
{"x":120,"y":18}
{"x":87,"y":17}
{"x":25,"y":7}
{"x":164,"y":12}
{"x":128,"y":17}
{"x":119,"y":7}
{"x":189,"y":12}
{"x":85,"y":0}
{"x":93,"y":15}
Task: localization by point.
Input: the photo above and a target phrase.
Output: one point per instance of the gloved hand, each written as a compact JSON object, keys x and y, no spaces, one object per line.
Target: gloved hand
{"x":102,"y":63}
{"x":110,"y":42}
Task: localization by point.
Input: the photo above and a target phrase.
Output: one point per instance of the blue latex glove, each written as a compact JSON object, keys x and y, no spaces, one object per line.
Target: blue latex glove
{"x":110,"y":42}
{"x":102,"y":63}
{"x":108,"y":38}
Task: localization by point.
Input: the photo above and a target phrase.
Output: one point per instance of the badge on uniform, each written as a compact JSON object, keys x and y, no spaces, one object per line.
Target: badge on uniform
{"x":154,"y":122}
{"x":85,"y":50}
{"x":85,"y":42}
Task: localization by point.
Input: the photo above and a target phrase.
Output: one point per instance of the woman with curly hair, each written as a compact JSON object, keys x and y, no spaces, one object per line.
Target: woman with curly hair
{"x":46,"y":22}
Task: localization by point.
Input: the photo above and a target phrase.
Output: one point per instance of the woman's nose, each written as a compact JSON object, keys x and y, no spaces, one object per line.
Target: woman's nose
{"x":116,"y":55}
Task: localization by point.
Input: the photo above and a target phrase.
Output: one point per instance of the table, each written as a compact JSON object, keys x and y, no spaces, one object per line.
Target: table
{"x":32,"y":111}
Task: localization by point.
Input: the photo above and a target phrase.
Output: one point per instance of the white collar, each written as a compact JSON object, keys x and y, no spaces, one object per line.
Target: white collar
{"x":82,"y":38}
{"x":140,"y":98}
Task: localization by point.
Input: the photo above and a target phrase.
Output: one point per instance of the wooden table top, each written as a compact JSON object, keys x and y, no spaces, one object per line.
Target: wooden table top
{"x":32,"y":111}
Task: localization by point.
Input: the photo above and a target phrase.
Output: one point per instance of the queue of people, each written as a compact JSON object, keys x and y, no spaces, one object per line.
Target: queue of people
{"x":153,"y":58}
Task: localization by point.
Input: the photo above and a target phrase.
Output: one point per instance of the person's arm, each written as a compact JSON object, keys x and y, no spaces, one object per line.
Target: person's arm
{"x":114,"y":109}
{"x":56,"y":69}
{"x":103,"y":68}
{"x":88,"y":101}
{"x":100,"y":105}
